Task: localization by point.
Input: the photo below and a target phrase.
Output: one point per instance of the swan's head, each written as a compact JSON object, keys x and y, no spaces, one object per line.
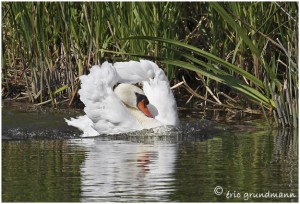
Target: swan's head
{"x":133,"y":97}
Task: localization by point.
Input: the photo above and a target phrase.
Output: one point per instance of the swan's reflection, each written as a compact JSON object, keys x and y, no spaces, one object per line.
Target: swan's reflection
{"x":118,"y":170}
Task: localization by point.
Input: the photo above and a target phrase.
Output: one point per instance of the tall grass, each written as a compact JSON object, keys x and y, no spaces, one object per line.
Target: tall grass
{"x":251,"y":48}
{"x":257,"y":68}
{"x":51,"y":44}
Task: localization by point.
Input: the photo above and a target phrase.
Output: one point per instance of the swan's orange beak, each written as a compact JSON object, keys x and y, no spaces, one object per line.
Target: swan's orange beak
{"x":143,"y":107}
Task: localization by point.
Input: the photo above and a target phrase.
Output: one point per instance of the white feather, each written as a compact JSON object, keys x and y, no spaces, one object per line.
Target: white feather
{"x":134,"y":72}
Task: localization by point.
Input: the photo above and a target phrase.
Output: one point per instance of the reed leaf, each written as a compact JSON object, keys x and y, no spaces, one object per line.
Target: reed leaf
{"x":226,"y":79}
{"x":207,"y":55}
{"x":60,"y":89}
{"x":240,"y":31}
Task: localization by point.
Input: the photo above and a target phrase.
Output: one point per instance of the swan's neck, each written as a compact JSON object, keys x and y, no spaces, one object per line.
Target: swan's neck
{"x":142,"y":120}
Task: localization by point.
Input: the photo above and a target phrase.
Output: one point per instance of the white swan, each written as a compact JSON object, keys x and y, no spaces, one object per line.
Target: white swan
{"x":127,"y":108}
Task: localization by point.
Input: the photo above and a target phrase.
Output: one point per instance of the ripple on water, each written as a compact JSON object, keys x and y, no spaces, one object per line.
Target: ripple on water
{"x":50,"y":162}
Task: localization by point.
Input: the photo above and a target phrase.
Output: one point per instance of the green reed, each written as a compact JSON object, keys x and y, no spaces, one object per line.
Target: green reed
{"x":251,"y":44}
{"x":250,"y":48}
{"x":57,"y":42}
{"x":271,"y":28}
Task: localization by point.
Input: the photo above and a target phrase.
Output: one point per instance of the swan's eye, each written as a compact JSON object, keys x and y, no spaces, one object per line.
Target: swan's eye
{"x":146,"y":101}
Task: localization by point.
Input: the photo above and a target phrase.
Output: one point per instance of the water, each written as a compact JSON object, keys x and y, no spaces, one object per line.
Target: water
{"x":44,"y":160}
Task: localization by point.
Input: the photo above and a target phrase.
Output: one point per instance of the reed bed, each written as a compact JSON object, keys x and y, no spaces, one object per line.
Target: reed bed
{"x":221,"y":53}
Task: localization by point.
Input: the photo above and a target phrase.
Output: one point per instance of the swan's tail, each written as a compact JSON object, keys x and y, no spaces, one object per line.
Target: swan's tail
{"x":84,"y":124}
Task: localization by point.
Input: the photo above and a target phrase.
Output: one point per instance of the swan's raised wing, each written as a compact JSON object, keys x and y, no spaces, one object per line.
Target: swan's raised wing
{"x":134,"y":72}
{"x":162,"y":102}
{"x":107,"y":113}
{"x":155,"y":86}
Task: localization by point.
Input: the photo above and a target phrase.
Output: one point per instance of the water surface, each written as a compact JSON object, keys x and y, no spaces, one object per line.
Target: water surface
{"x":45,"y":160}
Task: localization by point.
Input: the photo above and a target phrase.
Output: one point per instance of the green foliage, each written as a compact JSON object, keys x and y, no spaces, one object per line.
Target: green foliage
{"x":251,"y":48}
{"x":266,"y":86}
{"x":56,"y":42}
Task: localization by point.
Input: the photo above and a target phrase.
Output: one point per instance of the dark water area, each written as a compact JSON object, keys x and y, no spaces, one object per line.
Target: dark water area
{"x":44,"y":160}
